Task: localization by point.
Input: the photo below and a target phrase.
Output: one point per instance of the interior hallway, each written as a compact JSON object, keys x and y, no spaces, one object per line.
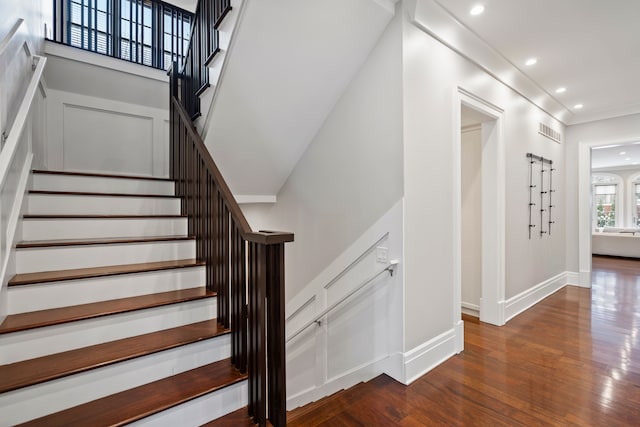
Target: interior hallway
{"x":573,"y":359}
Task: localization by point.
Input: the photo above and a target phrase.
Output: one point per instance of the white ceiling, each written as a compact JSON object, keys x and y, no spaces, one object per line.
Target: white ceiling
{"x":616,"y":156}
{"x":278,"y":89}
{"x":588,"y":46}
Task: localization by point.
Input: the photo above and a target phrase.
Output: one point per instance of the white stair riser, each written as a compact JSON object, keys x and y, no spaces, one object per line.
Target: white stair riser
{"x":58,"y":204}
{"x":29,"y":260}
{"x":38,"y":342}
{"x":52,"y":229}
{"x":53,"y":182}
{"x":201,"y":410}
{"x":44,"y":296}
{"x":36,"y":401}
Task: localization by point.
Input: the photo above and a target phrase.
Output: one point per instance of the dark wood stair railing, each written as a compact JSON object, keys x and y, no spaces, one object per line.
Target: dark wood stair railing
{"x":204,"y":44}
{"x":244,"y":267}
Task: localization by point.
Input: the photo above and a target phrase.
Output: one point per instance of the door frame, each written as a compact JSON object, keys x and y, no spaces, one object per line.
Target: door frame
{"x":493,"y":209}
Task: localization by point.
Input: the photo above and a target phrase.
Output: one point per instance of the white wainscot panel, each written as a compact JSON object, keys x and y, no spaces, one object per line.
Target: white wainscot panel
{"x":301,"y":351}
{"x":103,"y":140}
{"x":357,"y":332}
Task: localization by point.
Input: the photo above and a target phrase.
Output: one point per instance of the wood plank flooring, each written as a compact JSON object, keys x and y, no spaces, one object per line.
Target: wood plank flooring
{"x":571,"y":360}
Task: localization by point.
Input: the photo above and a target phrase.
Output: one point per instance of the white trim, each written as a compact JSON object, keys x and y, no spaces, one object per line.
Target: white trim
{"x":470,"y":309}
{"x":493,"y":201}
{"x":104,"y":61}
{"x":434,"y":19}
{"x":530,"y":297}
{"x":573,"y":278}
{"x":428,"y":355}
{"x":246,"y":199}
{"x":584,"y":206}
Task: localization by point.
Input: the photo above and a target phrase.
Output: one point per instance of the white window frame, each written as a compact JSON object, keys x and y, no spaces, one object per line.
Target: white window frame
{"x":598,"y":179}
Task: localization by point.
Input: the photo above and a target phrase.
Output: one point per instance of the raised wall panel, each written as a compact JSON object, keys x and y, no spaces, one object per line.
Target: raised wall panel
{"x":95,"y":139}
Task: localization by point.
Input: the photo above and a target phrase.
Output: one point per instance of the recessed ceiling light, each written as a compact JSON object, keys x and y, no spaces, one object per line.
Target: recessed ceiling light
{"x":561,"y":90}
{"x":628,"y":158}
{"x":531,"y":61}
{"x":634,"y":163}
{"x":578,"y":106}
{"x":622,"y":153}
{"x":477,"y":9}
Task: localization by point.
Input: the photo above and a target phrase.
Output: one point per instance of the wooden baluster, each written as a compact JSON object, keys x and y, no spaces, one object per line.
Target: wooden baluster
{"x":239,"y":300}
{"x":211,"y":276}
{"x":257,"y":332}
{"x":275,"y":332}
{"x":225,"y":266}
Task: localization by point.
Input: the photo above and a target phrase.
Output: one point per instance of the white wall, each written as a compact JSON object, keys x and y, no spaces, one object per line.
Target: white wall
{"x":603,"y":132}
{"x":19,"y":41}
{"x":14,"y":76}
{"x":471,"y":190}
{"x":432,"y":74}
{"x":351,"y":173}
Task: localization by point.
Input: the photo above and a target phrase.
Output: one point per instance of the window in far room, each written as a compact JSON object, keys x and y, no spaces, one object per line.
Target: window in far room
{"x":605,"y":199}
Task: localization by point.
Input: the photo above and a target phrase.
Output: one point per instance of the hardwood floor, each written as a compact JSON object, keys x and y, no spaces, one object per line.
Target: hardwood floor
{"x":571,"y":360}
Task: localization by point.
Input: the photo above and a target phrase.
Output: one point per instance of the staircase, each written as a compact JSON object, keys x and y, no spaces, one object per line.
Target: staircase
{"x":109,"y":319}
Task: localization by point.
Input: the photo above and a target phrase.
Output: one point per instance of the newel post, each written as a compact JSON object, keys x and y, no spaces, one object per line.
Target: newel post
{"x":266,"y":319}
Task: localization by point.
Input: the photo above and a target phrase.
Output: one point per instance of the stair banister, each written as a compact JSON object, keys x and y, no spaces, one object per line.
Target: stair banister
{"x":245,"y":267}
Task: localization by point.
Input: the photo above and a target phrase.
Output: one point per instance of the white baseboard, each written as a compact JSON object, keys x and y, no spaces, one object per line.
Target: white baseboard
{"x":573,"y":278}
{"x":530,"y":297}
{"x":470,"y":309}
{"x":430,"y":354}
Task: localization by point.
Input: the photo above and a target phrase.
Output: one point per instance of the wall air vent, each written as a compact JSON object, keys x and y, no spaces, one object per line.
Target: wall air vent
{"x":550,"y":133}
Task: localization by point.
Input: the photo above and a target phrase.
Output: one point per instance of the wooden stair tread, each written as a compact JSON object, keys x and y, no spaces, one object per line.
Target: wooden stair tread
{"x":97,"y":241}
{"x":239,"y":418}
{"x":45,"y":368}
{"x":55,"y":316}
{"x":92,"y":193}
{"x":143,"y":401}
{"x":101,"y":175}
{"x":98,"y":216}
{"x":111,"y":270}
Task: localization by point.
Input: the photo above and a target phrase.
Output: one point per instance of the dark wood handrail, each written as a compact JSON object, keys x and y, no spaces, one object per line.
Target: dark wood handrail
{"x":262,"y":237}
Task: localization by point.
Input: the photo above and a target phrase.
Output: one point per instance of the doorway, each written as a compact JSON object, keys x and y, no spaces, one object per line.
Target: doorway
{"x":479,"y":210}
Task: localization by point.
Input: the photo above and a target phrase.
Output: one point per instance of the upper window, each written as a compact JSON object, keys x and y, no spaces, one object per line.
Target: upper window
{"x":148,"y":32}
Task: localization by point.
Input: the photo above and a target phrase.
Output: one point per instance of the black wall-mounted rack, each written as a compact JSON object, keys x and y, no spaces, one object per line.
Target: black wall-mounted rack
{"x":546,"y":166}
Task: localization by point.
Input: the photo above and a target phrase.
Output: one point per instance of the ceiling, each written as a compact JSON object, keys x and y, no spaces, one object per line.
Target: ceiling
{"x":616,"y":156}
{"x":590,"y":47}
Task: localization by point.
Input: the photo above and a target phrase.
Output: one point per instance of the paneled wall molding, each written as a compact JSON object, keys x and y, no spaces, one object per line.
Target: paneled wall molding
{"x":359,"y":339}
{"x":77,"y":125}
